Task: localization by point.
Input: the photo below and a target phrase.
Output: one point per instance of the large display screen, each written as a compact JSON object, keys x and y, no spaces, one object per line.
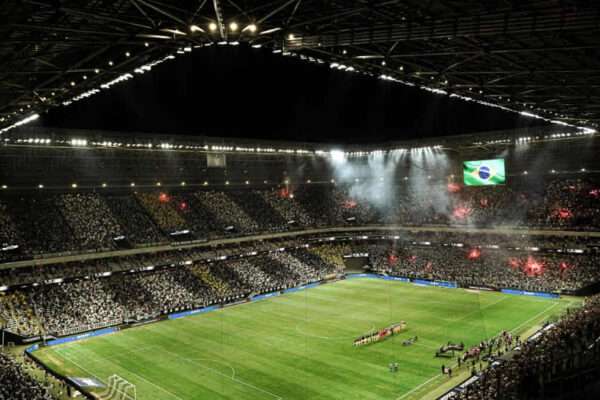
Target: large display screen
{"x":484,"y":172}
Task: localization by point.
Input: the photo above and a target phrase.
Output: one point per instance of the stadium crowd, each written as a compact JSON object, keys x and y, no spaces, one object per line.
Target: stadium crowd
{"x":113,"y":293}
{"x":543,"y":366}
{"x":105,"y":292}
{"x":58,"y":223}
{"x":136,"y":223}
{"x":78,"y":295}
{"x":17,"y":384}
{"x":229,"y":214}
{"x":92,"y":224}
{"x":488,"y":267}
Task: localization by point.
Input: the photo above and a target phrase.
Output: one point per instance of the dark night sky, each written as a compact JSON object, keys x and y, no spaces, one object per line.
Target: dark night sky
{"x":244,"y":92}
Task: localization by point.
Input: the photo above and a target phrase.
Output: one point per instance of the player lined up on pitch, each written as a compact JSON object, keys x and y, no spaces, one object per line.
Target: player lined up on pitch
{"x":382,"y":334}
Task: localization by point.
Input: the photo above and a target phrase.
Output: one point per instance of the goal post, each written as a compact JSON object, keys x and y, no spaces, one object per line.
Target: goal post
{"x":118,"y":388}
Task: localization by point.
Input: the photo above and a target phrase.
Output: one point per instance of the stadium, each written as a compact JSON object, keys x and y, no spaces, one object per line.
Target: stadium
{"x":299,"y":199}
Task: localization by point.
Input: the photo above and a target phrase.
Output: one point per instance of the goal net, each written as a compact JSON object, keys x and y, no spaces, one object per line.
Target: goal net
{"x":119,"y":389}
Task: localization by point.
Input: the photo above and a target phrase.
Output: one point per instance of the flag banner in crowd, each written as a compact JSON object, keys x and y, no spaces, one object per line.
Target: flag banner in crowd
{"x":484,"y":172}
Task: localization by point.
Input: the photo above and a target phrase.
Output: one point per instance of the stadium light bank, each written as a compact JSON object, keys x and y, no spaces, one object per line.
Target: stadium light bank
{"x":24,"y":121}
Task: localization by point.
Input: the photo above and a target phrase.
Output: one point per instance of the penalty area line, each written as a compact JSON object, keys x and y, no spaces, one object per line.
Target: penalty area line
{"x":105,"y":360}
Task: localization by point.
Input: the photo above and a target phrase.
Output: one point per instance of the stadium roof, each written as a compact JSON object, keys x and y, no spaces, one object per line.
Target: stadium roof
{"x":536,"y":57}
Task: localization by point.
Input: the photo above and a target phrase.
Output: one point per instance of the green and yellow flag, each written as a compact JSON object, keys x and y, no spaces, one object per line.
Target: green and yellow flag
{"x":484,"y":172}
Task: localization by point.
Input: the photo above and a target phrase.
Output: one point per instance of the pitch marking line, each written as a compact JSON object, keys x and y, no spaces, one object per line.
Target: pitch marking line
{"x":536,"y":316}
{"x":63,"y":355}
{"x":512,"y":330}
{"x":418,"y":387}
{"x":233,"y":378}
{"x":478,"y":310}
{"x":129,"y":371}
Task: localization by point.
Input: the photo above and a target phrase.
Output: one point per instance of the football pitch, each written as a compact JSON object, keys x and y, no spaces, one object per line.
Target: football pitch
{"x":299,"y":345}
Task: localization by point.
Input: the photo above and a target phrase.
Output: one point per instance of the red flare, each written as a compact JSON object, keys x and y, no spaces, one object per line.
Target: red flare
{"x":462,"y":212}
{"x":474,"y":254}
{"x":564,"y":266}
{"x":454,"y":187}
{"x":514,"y":262}
{"x":349,"y":204}
{"x":163,"y":198}
{"x":533,"y":267}
{"x":564,"y":213}
{"x":284,"y":193}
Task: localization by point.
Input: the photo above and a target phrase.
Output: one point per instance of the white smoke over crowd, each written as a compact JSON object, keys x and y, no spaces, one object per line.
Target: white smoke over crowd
{"x":369,"y":180}
{"x":425,"y":164}
{"x":383,"y":180}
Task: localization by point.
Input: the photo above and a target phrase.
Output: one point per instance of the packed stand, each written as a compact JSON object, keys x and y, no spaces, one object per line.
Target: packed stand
{"x":227,"y":212}
{"x":75,"y":306}
{"x":253,"y":204}
{"x":161,"y":292}
{"x":9,"y":235}
{"x":332,"y":254}
{"x":201,"y":221}
{"x":571,"y":203}
{"x":253,"y":277}
{"x":320,"y":204}
{"x":17,"y":316}
{"x":57,"y":223}
{"x":322,"y":267}
{"x":354,"y":209}
{"x":90,"y":219}
{"x":490,"y":268}
{"x":300,"y":272}
{"x":162,"y":211}
{"x":137,"y":226}
{"x":101,"y":293}
{"x":42,"y":225}
{"x":17,"y":384}
{"x":284,"y":203}
{"x":224,"y":290}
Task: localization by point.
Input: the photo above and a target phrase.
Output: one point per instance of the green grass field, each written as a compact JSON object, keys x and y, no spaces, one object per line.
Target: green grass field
{"x":299,"y":345}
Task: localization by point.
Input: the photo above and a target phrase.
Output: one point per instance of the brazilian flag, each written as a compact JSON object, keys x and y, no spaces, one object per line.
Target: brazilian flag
{"x":484,"y":172}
